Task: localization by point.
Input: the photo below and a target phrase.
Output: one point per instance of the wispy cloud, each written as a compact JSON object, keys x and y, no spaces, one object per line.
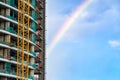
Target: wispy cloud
{"x":114,"y":43}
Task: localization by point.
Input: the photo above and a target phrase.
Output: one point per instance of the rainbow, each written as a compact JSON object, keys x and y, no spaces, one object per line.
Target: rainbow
{"x":67,"y":24}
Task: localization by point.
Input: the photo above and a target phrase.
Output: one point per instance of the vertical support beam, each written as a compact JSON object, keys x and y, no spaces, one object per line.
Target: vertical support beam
{"x":23,"y":28}
{"x":44,"y":39}
{"x":18,"y":52}
{"x":28,"y":36}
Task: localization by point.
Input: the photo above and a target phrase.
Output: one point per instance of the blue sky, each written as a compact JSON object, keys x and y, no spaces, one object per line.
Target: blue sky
{"x":90,"y":49}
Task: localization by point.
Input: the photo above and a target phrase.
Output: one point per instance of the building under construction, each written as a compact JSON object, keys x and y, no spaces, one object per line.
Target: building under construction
{"x":22,"y":39}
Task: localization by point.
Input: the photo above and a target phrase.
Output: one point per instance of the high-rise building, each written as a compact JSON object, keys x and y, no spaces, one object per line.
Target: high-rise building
{"x":22,"y":39}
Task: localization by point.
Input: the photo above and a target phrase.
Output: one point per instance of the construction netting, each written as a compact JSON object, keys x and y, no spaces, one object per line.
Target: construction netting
{"x":34,"y":15}
{"x":33,"y":26}
{"x":33,"y":2}
{"x":7,"y":67}
{"x":33,"y":38}
{"x":10,"y":29}
{"x":33,"y":53}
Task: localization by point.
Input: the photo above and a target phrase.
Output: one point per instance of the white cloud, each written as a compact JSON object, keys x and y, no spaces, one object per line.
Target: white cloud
{"x":84,"y":14}
{"x":114,"y":43}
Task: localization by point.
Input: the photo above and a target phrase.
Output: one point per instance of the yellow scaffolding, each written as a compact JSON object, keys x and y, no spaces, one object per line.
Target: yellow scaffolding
{"x":22,"y":45}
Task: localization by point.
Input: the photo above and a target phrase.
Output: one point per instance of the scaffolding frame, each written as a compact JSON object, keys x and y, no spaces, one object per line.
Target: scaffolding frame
{"x":22,"y":45}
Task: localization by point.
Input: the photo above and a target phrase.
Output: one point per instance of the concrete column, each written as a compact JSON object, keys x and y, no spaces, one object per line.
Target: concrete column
{"x":7,"y":38}
{"x":3,"y":78}
{"x":2,"y":66}
{"x":2,"y":25}
{"x":7,"y":23}
{"x":32,"y":60}
{"x":32,"y":48}
{"x":2,"y":12}
{"x":32,"y":72}
{"x":1,"y":38}
{"x":8,"y":12}
{"x":6,"y":53}
{"x":1,"y":52}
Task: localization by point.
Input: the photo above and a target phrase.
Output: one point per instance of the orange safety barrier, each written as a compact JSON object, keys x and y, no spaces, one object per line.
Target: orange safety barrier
{"x":39,"y":22}
{"x":38,"y":43}
{"x":39,"y":1}
{"x":36,"y":78}
{"x":37,"y":8}
{"x":38,"y":32}
{"x":38,"y":55}
{"x":39,"y":67}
